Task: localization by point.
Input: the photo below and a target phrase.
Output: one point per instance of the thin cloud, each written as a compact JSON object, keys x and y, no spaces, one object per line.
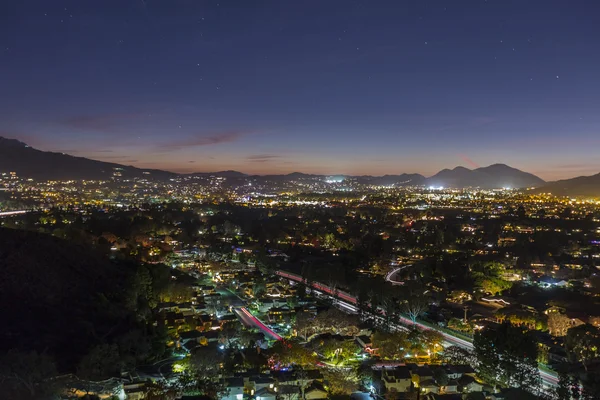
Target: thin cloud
{"x":262,"y":158}
{"x":577,"y":166}
{"x":27,"y":138}
{"x":198,"y":141}
{"x":469,"y":161}
{"x":102,"y":122}
{"x":86,"y":151}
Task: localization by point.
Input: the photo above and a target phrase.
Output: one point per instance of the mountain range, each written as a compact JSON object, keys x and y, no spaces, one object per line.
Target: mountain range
{"x":43,"y":165}
{"x":582,"y":186}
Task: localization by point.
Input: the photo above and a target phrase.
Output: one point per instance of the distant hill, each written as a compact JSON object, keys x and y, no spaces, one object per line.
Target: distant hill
{"x":28,"y":162}
{"x":393,"y":180}
{"x":491,"y":177}
{"x":16,"y":156}
{"x":223,"y":174}
{"x":582,"y":186}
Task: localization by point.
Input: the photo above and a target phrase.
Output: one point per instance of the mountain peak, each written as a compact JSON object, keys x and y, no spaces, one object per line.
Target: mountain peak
{"x":490,"y":177}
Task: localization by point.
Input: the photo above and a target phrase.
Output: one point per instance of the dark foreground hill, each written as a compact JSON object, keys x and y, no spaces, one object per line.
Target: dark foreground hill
{"x":64,"y":300}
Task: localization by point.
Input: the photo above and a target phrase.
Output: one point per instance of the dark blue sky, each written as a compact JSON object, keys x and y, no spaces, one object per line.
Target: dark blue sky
{"x":355,"y":87}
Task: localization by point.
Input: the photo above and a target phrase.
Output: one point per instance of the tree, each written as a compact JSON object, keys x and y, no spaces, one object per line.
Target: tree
{"x":507,"y":356}
{"x":441,"y":376}
{"x":103,"y":361}
{"x":340,"y":382}
{"x":26,"y":375}
{"x":336,"y":322}
{"x":338,"y":350}
{"x":414,"y":307}
{"x":205,"y":361}
{"x":559,"y":324}
{"x":582,"y":344}
{"x":289,"y":352}
{"x":431,"y":340}
{"x":565,"y":386}
{"x":304,"y":324}
{"x":458,"y":356}
{"x":414,"y":300}
{"x":391,"y":346}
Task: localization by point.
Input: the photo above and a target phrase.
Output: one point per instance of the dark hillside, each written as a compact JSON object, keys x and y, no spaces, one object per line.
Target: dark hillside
{"x":63,"y":299}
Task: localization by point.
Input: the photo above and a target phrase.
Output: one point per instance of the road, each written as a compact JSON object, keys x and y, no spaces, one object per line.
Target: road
{"x":350,"y":302}
{"x":162,"y":369}
{"x":9,"y":213}
{"x":250,"y":320}
{"x":393,"y":272}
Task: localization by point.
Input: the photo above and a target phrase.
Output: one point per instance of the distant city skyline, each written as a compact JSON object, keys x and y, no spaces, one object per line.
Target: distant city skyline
{"x":331,"y":87}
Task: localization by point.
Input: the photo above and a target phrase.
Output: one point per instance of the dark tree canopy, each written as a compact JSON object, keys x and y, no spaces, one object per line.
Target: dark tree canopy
{"x":65,"y":300}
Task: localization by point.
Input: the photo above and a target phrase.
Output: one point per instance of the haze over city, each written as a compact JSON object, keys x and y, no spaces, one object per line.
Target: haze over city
{"x":332,"y":87}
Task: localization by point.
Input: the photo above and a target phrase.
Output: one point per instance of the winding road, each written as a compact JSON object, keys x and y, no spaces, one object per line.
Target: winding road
{"x":393,"y":272}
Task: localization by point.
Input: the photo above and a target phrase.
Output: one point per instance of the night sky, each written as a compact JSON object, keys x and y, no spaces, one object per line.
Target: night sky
{"x":355,"y":87}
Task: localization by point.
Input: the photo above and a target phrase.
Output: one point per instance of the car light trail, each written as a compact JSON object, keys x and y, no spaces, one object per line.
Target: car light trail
{"x":259,"y":324}
{"x":9,"y":213}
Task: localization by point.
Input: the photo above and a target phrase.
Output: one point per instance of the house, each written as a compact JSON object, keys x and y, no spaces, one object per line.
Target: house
{"x":398,"y":379}
{"x":435,"y":396}
{"x":199,"y":338}
{"x":450,"y":387}
{"x":420,"y":373}
{"x":186,"y":308}
{"x":262,"y":381}
{"x":429,"y":386}
{"x":204,"y":322}
{"x":315,"y":391}
{"x":73,"y":387}
{"x":279,"y":314}
{"x":235,"y":388}
{"x":174,"y":319}
{"x":135,"y":390}
{"x":290,"y":392}
{"x":266,"y":394}
{"x":458,"y":371}
{"x":468,"y":384}
{"x":267,"y":303}
{"x":228,"y":319}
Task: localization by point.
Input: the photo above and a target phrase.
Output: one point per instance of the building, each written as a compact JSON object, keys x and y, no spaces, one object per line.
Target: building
{"x":397,"y":379}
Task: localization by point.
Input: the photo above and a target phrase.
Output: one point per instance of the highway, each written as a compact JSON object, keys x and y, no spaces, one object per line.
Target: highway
{"x":349,"y":302}
{"x":250,"y":320}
